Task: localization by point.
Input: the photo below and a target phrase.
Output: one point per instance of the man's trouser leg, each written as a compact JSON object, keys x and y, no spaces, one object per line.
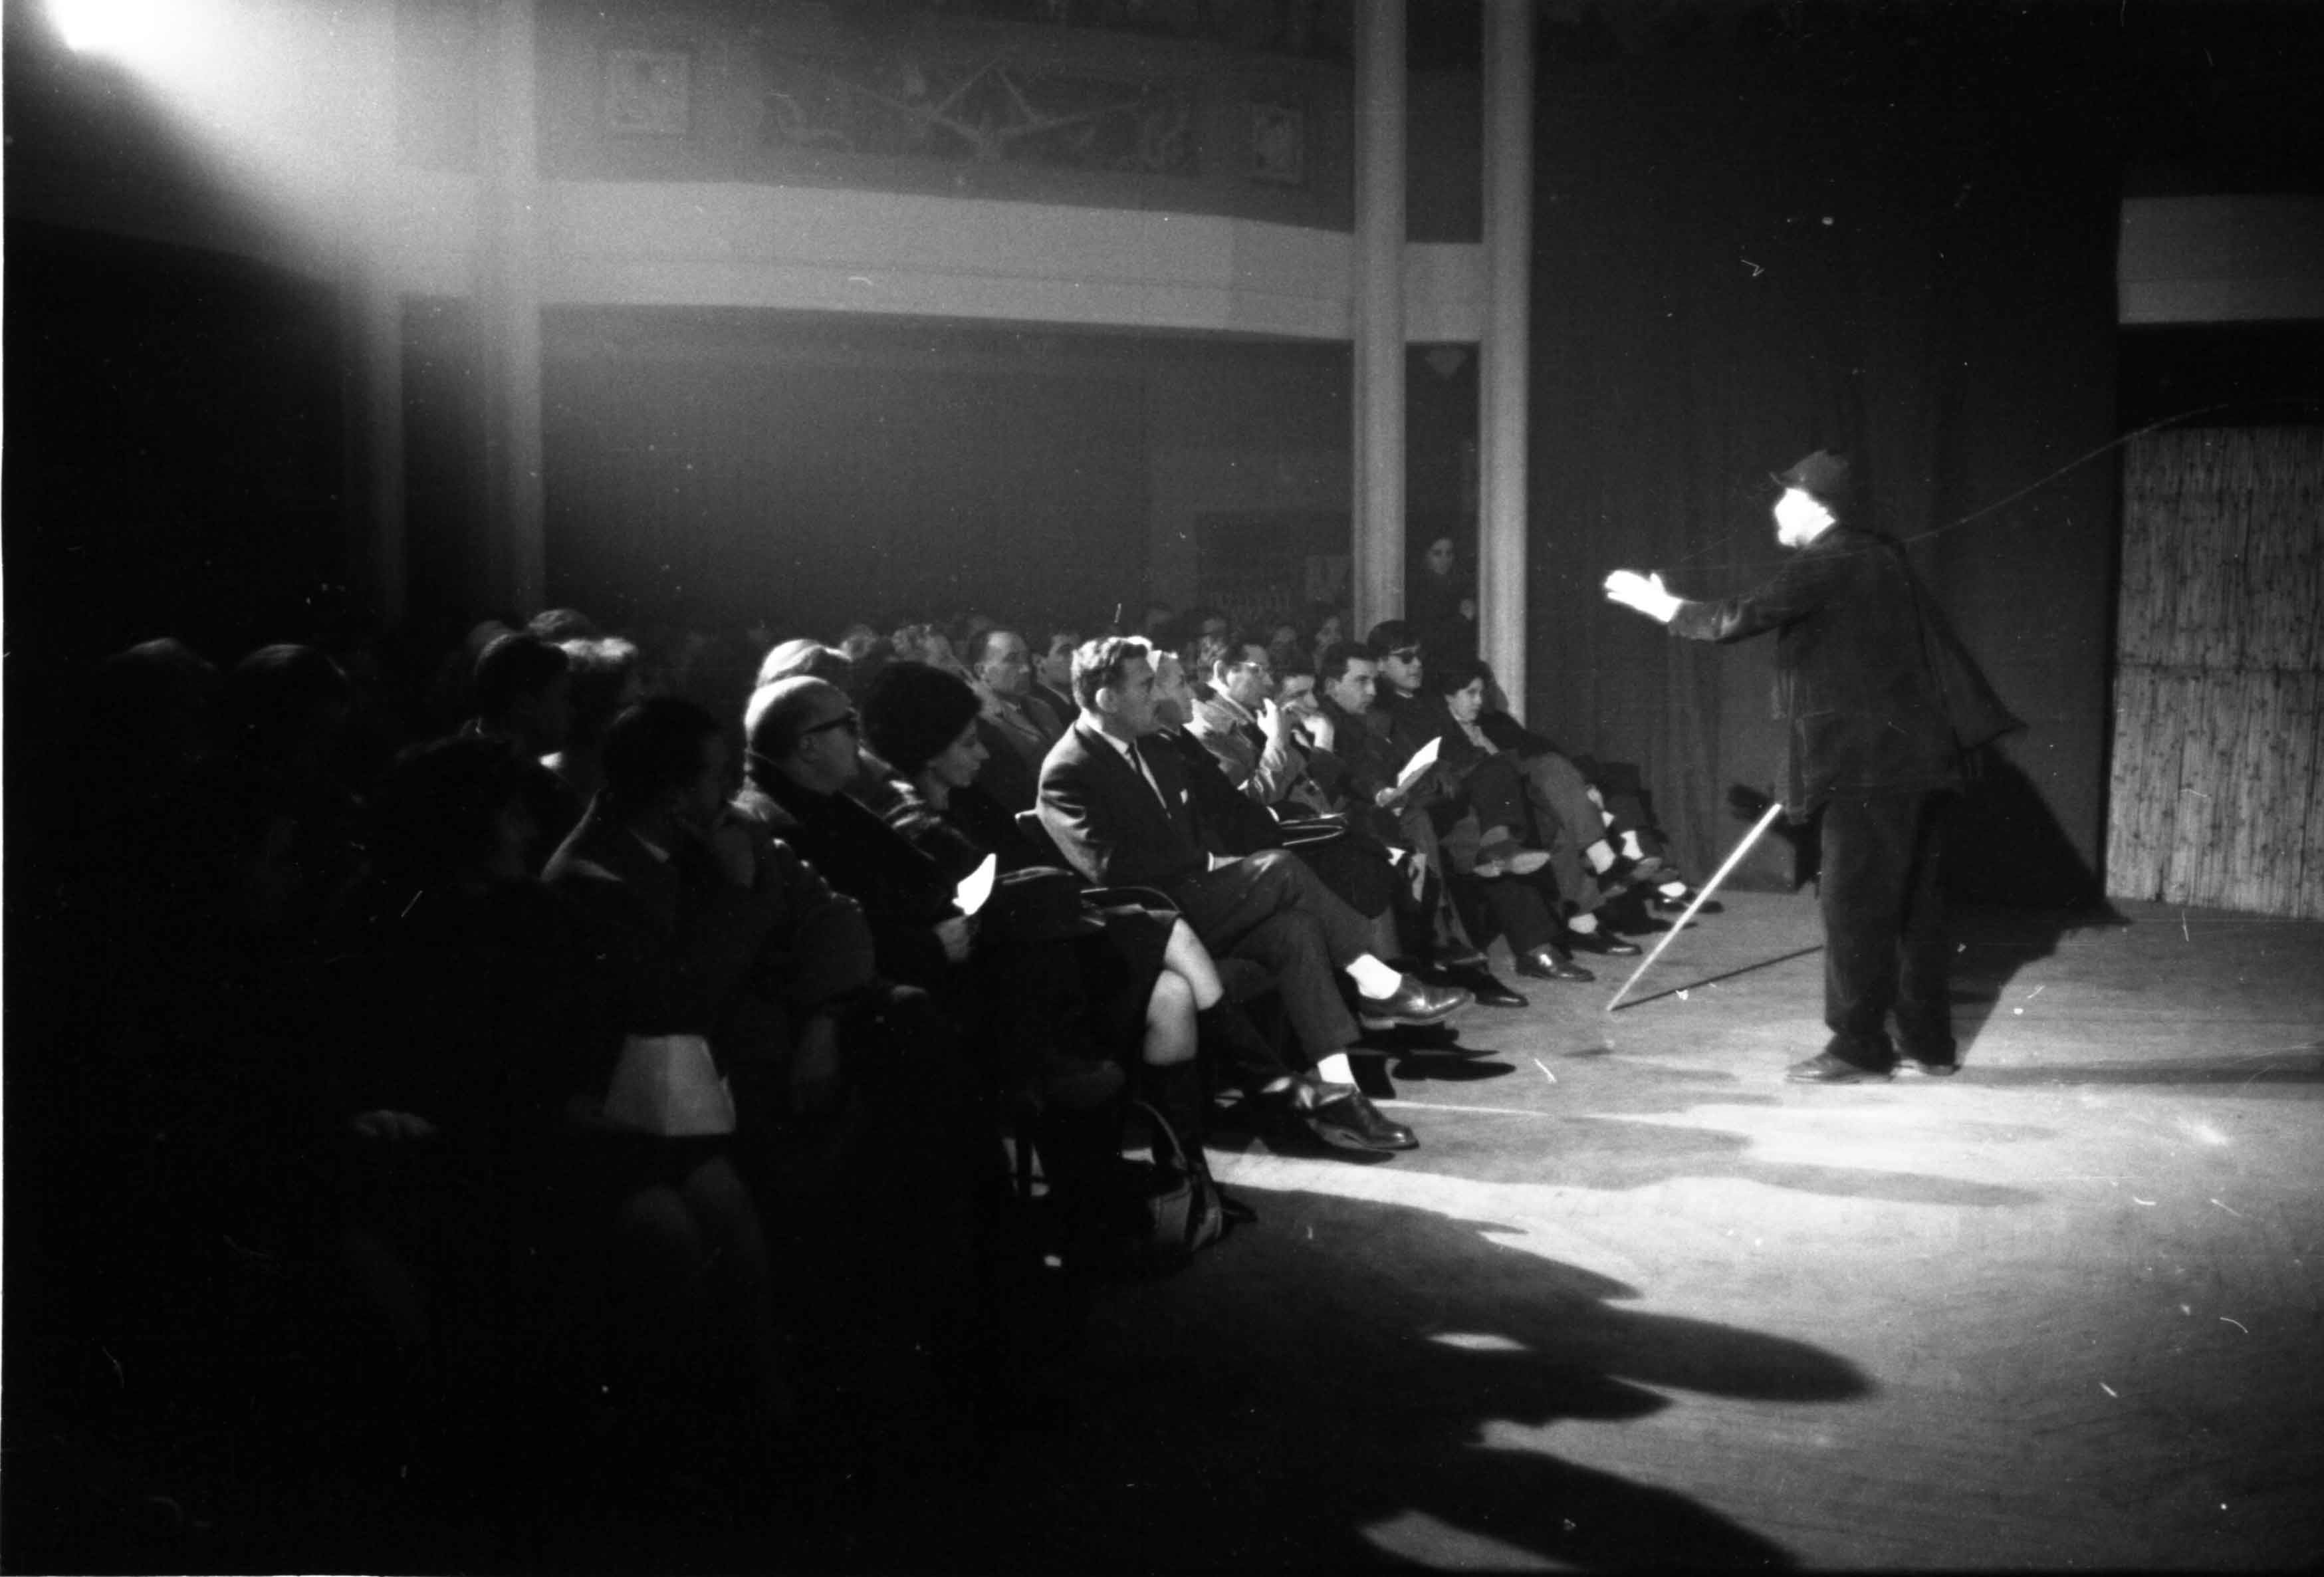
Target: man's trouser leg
{"x":1569,"y":822}
{"x":1924,"y":1008}
{"x":1870,"y":843}
{"x":1270,"y":909}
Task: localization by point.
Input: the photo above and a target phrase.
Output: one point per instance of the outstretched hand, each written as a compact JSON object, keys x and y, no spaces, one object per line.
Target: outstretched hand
{"x":1646,"y":593}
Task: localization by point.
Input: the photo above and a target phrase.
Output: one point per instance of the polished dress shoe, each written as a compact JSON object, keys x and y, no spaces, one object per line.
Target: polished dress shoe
{"x":1602,"y":941}
{"x":1664,"y":904}
{"x":1453,"y":960}
{"x":1301,"y":1111}
{"x":1927,"y":1067}
{"x":1490,"y":992}
{"x":1550,"y":963}
{"x":1824,"y":1068}
{"x":1413,"y":1002}
{"x":1383,"y":1132}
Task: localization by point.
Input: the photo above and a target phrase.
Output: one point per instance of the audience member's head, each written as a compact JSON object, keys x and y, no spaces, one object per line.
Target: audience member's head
{"x":1243,"y":672}
{"x":1461,"y":680}
{"x":813,"y":659}
{"x":857,"y":639}
{"x":1294,"y":683}
{"x":1154,"y":622}
{"x":667,"y":760}
{"x":1174,"y":697}
{"x":1347,"y":671}
{"x":483,"y":633}
{"x":969,"y":627}
{"x":150,"y":706}
{"x":607,"y":680}
{"x":1329,"y":626}
{"x":558,"y":625}
{"x":1282,"y":643}
{"x":282,"y":704}
{"x":1439,"y":557}
{"x":1114,"y":679}
{"x":806,"y":731}
{"x":1053,"y":661}
{"x":453,"y":811}
{"x":999,"y":658}
{"x":1398,"y":646}
{"x":523,"y":688}
{"x":922,"y":721}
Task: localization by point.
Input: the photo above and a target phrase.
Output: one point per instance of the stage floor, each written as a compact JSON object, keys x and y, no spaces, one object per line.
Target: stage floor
{"x":1638,"y":1301}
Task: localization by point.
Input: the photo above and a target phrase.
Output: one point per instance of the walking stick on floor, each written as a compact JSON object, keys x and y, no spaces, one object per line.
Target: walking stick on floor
{"x":1709,"y":888}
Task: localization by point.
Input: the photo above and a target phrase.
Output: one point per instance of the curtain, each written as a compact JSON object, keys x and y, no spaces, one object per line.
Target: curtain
{"x":1743,"y":255}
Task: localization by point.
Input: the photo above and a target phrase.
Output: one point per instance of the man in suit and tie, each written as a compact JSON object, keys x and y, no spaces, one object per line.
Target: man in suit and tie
{"x":1119,"y":812}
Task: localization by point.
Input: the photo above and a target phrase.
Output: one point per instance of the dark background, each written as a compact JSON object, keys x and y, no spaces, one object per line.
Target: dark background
{"x":1760,"y":230}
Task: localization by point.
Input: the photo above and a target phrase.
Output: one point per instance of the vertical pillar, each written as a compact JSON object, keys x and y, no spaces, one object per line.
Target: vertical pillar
{"x":508,"y":306}
{"x":1379,"y":311}
{"x":1506,"y":359}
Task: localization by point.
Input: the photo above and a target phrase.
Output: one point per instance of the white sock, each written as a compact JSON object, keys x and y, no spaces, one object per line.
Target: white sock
{"x":1583,"y":925}
{"x":1602,"y":855}
{"x":1335,"y":1069}
{"x":1632,"y":847}
{"x":1374,"y":979}
{"x":1673,"y":890}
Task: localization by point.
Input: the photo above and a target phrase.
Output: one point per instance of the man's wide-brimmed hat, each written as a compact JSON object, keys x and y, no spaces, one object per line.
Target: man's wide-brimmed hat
{"x":1823,"y":477}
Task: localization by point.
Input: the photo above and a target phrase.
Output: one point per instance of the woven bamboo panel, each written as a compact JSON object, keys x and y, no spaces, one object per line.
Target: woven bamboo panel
{"x":2142,"y":793}
{"x":2218,"y":784}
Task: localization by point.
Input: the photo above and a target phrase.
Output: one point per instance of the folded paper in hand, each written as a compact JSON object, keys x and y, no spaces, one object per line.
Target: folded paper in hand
{"x":976,"y":886}
{"x":1422,"y":760}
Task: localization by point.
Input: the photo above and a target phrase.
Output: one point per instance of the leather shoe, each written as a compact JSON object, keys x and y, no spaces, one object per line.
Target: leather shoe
{"x":1663,"y":904}
{"x":1910,"y":1063}
{"x":1824,"y":1068}
{"x":1550,"y":963}
{"x":1489,"y":992}
{"x":1302,"y":1112}
{"x":1602,"y":941}
{"x":1413,"y":1003}
{"x":1451,"y":959}
{"x":1383,"y":1132}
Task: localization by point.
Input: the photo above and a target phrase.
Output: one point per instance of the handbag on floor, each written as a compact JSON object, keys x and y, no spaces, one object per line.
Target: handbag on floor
{"x":1183,"y":1213}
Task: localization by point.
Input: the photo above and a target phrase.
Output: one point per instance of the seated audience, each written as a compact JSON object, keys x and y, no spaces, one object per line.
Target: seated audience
{"x":606,"y":681}
{"x":1558,"y":806}
{"x":521,"y":694}
{"x":1016,"y":730}
{"x":1053,"y":672}
{"x":1254,"y":739}
{"x":675,"y":905}
{"x":1118,"y":807}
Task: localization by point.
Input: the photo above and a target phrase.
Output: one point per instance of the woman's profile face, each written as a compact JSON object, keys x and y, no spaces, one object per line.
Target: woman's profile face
{"x":955,"y":765}
{"x":1468,"y":701}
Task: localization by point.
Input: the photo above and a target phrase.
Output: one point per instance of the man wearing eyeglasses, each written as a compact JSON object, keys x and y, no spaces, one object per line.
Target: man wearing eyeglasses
{"x":803,"y":736}
{"x":1240,"y":724}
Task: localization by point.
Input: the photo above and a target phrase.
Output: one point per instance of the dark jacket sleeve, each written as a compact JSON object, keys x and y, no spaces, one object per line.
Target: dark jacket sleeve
{"x":1807,"y":581}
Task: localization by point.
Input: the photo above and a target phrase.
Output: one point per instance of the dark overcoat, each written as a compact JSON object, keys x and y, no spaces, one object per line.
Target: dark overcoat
{"x":1874,"y":688}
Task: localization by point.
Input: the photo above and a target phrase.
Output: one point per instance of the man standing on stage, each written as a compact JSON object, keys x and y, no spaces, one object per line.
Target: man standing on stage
{"x":1881,"y":703}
